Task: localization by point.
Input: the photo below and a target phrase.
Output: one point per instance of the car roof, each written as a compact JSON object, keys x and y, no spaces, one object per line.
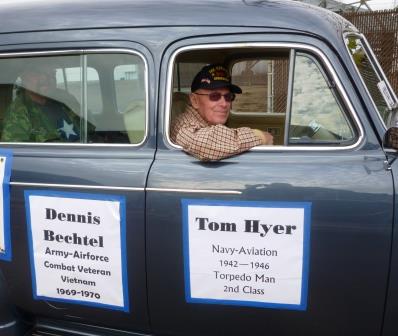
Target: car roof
{"x":43,"y":15}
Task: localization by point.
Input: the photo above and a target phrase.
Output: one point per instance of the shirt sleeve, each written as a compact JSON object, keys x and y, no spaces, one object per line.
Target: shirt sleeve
{"x":17,"y":125}
{"x":216,"y":142}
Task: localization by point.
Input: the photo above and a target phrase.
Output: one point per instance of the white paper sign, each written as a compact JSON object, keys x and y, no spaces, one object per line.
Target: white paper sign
{"x":77,"y":248}
{"x":247,"y":253}
{"x":5,"y":236}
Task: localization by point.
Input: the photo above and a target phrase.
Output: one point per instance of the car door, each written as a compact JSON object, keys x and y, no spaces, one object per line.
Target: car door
{"x":390,"y":326}
{"x":284,"y":240}
{"x":77,"y":208}
{"x":384,"y":103}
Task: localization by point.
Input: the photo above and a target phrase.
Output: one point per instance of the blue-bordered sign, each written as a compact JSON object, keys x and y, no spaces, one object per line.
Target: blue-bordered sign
{"x":78,"y":248}
{"x":247,"y":253}
{"x":5,"y":233}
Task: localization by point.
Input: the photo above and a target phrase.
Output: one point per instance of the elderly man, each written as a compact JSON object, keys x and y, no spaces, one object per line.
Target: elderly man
{"x":34,"y":117}
{"x":201,"y":129}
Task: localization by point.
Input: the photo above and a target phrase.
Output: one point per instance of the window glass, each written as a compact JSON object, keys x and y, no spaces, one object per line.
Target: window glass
{"x":129,"y":81}
{"x":370,"y":77}
{"x":264,"y":84}
{"x":70,"y":80}
{"x":96,"y":98}
{"x":316,"y":114}
{"x":122,"y":79}
{"x":312,"y":113}
{"x":68,"y":87}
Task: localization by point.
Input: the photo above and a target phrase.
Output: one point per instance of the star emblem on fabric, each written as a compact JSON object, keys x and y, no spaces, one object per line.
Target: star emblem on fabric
{"x":67,"y":129}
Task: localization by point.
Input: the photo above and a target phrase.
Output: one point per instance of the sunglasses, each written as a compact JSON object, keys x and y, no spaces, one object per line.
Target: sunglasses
{"x":216,"y":96}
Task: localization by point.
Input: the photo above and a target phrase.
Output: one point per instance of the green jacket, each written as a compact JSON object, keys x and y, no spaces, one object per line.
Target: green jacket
{"x":26,"y":121}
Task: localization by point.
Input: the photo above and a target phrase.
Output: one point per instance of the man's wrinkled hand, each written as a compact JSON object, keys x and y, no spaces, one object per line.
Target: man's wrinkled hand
{"x":266,"y":138}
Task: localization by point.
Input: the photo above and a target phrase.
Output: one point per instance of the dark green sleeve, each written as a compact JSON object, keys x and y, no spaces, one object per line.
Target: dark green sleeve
{"x":17,"y":125}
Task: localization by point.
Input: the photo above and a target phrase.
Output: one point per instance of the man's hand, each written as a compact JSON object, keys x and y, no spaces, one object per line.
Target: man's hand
{"x":266,"y":138}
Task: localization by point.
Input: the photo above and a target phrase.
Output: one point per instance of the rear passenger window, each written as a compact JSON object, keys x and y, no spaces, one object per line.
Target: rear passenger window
{"x":286,"y":92}
{"x":90,"y":98}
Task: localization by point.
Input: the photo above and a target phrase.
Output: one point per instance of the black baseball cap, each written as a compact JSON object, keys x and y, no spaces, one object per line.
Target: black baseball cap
{"x":214,"y":76}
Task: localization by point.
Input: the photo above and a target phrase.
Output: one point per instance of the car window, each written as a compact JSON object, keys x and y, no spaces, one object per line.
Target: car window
{"x":286,"y":92}
{"x":92,"y":98}
{"x":316,"y":114}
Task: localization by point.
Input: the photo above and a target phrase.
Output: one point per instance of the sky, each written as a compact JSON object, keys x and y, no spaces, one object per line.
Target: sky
{"x":374,"y":4}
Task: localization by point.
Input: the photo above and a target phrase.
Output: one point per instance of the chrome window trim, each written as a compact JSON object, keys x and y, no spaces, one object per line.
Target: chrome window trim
{"x":198,"y":191}
{"x":8,"y":325}
{"x":80,"y":52}
{"x":292,"y":45}
{"x":74,"y":186}
{"x":258,"y":114}
{"x":92,"y":187}
{"x":376,"y":67}
{"x":289,"y":98}
{"x":83,"y":96}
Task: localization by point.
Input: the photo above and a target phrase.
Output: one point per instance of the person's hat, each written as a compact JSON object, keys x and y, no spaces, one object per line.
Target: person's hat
{"x":214,"y":76}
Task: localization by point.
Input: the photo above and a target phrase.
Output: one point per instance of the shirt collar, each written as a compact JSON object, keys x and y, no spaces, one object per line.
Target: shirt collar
{"x":197,"y":116}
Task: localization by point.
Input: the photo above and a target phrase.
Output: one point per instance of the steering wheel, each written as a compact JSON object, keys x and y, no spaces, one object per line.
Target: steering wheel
{"x":313,"y":131}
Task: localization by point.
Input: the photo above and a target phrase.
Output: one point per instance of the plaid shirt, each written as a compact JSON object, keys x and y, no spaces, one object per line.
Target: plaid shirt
{"x":210,"y":142}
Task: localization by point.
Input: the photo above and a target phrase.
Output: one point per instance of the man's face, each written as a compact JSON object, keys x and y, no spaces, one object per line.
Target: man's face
{"x":37,"y":82}
{"x":214,"y":112}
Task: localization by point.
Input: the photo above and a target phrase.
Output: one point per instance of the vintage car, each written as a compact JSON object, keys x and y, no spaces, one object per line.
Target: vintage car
{"x":121,"y":232}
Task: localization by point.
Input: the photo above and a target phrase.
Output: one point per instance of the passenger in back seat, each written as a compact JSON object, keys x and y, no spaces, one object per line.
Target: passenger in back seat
{"x":201,"y":129}
{"x":35,"y":117}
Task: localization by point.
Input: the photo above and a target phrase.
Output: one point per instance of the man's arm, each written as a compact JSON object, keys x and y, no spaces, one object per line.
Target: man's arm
{"x":219,"y":141}
{"x":17,"y":126}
